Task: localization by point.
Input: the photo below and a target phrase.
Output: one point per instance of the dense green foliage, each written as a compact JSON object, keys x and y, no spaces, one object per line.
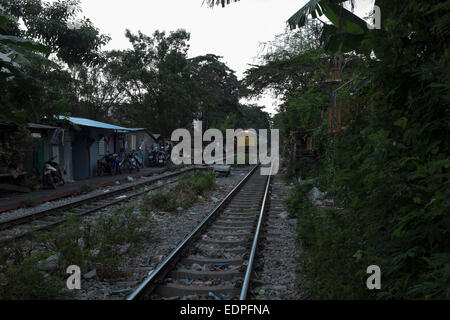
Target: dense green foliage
{"x":37,"y":269}
{"x":55,"y":24}
{"x":393,"y":164}
{"x":164,"y":90}
{"x":33,"y":84}
{"x":388,"y":173}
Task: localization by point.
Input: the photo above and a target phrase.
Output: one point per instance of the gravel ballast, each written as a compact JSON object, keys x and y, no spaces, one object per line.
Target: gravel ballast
{"x":276,"y":265}
{"x":23,"y":212}
{"x":169,"y":230}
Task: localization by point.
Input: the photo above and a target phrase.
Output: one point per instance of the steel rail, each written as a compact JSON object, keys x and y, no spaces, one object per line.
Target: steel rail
{"x":149,"y":284}
{"x":249,"y":270}
{"x":15,"y":221}
{"x":54,"y":224}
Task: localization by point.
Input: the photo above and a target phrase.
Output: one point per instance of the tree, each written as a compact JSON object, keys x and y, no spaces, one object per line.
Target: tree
{"x":390,"y":168}
{"x":155,"y":81}
{"x":218,"y":89}
{"x":346,"y":33}
{"x":16,"y":55}
{"x":253,"y":117}
{"x":33,"y":85}
{"x":56,"y":25}
{"x":212,"y":3}
{"x":288,"y":66}
{"x":293,"y":68}
{"x":96,"y":91}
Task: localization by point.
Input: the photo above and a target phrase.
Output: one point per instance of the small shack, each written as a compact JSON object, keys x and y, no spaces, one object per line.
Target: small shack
{"x":23,"y":151}
{"x":51,"y":144}
{"x":90,"y":141}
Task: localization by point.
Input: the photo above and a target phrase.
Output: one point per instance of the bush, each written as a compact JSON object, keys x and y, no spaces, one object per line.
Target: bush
{"x":330,"y":269}
{"x":202,"y":182}
{"x":27,"y":280}
{"x":91,"y":244}
{"x":161,"y":201}
{"x":184,"y":194}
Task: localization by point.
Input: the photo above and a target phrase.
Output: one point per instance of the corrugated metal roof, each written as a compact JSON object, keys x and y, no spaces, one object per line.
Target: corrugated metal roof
{"x":136,"y":129}
{"x":40,"y":126}
{"x":93,"y":123}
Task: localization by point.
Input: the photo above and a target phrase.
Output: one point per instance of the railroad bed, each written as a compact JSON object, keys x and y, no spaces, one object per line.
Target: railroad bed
{"x":215,"y":261}
{"x":15,"y":227}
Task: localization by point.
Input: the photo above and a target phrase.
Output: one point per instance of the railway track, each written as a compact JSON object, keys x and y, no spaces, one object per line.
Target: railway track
{"x":215,"y":261}
{"x":19,"y":227}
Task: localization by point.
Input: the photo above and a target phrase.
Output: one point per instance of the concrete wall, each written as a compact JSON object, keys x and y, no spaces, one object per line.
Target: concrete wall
{"x":68,"y":161}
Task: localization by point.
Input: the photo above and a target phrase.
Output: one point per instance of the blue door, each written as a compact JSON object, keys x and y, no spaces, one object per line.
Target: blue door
{"x":80,"y":159}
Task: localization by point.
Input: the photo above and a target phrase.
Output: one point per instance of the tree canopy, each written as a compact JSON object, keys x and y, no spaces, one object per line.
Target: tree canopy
{"x":33,"y":83}
{"x":388,"y":169}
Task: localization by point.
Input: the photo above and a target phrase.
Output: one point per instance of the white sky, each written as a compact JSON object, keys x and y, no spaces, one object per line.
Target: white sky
{"x":233,"y":32}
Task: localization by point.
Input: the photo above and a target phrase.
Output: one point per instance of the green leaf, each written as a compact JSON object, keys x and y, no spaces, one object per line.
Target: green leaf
{"x":3,"y":20}
{"x":402,"y":122}
{"x":406,"y":160}
{"x":340,"y":42}
{"x":313,"y":7}
{"x":417,"y":200}
{"x":442,"y":6}
{"x":27,"y":44}
{"x":22,"y":56}
{"x":350,"y":23}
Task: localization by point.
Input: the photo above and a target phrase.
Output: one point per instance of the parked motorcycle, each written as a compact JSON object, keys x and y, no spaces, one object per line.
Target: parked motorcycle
{"x":122,"y":162}
{"x":108,"y":164}
{"x":52,"y":174}
{"x":157,"y":158}
{"x":152,"y":158}
{"x":161,"y":159}
{"x":139,"y":156}
{"x":133,"y":161}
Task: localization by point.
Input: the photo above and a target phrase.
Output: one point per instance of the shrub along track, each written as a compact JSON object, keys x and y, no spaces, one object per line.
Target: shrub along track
{"x":215,"y":260}
{"x":21,"y":226}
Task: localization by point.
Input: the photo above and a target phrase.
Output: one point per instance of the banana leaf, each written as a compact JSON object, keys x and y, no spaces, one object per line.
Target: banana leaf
{"x":337,"y":41}
{"x":313,"y":7}
{"x":350,"y":22}
{"x":24,"y":43}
